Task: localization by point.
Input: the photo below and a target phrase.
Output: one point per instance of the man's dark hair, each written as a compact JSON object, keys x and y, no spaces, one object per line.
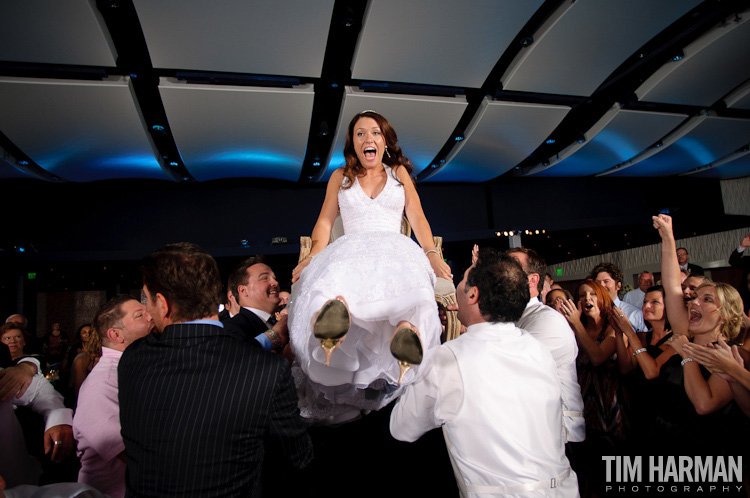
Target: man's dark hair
{"x":239,"y":275}
{"x":110,"y":314}
{"x":535,"y":265}
{"x":503,"y":287}
{"x":684,"y":249}
{"x":611,"y":268}
{"x":187,"y":276}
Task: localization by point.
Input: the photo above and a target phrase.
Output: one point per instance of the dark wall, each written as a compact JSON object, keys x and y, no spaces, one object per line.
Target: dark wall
{"x":128,"y":219}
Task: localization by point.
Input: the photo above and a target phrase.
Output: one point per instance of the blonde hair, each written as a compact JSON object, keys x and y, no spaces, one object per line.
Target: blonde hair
{"x":730,"y":308}
{"x":93,"y":348}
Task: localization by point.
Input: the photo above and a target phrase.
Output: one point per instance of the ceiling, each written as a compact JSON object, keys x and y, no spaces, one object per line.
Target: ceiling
{"x":478,"y":90}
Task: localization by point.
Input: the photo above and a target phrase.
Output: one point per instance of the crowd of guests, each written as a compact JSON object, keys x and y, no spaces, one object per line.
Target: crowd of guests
{"x":168,"y":397}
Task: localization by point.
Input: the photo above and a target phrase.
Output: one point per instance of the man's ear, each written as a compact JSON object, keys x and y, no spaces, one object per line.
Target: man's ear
{"x":534,"y":280}
{"x":472,"y":295}
{"x":163,"y":306}
{"x":115,"y":335}
{"x":618,"y":286}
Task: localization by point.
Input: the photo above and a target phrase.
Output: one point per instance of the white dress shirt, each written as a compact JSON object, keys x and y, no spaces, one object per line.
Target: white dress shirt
{"x":496,"y":392}
{"x":635,"y":298}
{"x":16,"y":465}
{"x":635,"y":315}
{"x":552,"y":329}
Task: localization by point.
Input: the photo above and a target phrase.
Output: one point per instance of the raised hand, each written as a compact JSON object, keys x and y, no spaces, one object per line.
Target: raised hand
{"x":663,"y":223}
{"x":571,"y":311}
{"x":619,"y":321}
{"x":720,"y":359}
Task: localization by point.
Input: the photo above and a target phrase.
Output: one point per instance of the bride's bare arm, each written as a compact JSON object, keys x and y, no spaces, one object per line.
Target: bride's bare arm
{"x":419,"y":224}
{"x":321,"y":233}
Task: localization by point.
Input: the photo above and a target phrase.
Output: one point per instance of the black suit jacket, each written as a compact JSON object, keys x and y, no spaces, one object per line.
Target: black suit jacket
{"x":695,"y":269}
{"x":247,"y":324}
{"x":195,"y":406}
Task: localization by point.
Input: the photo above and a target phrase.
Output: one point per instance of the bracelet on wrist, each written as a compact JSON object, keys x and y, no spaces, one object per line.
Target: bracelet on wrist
{"x":685,"y":361}
{"x":431,"y":250}
{"x":275,"y":339}
{"x":639,"y":351}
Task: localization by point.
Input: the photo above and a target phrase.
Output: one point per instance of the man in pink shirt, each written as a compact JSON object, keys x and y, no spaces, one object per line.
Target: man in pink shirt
{"x":96,"y":424}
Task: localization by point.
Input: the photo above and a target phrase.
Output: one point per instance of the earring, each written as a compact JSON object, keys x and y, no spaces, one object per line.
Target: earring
{"x":387,"y":153}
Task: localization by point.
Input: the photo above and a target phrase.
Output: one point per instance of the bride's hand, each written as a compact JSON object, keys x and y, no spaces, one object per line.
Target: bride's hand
{"x":298,"y":269}
{"x":440,"y":267}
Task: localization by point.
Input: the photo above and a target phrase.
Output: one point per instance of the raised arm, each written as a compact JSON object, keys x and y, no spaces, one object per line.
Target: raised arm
{"x":670,"y":276}
{"x":321,"y":233}
{"x":421,"y":227}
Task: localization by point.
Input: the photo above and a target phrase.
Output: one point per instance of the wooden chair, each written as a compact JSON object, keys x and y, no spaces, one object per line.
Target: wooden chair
{"x":445,"y":291}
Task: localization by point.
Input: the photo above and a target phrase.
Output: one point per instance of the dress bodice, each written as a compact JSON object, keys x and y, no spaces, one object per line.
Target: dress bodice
{"x":360,"y":213}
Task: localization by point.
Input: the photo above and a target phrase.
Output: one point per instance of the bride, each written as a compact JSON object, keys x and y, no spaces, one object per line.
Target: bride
{"x":367,"y":298}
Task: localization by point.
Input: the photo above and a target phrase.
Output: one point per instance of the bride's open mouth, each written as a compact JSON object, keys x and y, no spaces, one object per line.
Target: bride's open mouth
{"x":370,"y":153}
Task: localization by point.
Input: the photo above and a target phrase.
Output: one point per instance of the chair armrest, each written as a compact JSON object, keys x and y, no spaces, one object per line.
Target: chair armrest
{"x":445,"y":295}
{"x":305,"y":246}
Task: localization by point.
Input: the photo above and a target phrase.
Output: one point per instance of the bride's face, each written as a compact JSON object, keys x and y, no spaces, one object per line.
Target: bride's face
{"x":369,"y":143}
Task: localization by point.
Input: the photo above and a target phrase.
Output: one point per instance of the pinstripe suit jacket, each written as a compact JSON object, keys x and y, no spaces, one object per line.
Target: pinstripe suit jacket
{"x":195,"y":405}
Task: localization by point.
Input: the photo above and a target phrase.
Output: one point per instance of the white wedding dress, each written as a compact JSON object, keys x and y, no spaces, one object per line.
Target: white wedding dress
{"x":385,"y":278}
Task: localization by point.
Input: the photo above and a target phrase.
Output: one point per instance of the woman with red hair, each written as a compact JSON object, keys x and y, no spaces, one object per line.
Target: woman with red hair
{"x":598,"y":376}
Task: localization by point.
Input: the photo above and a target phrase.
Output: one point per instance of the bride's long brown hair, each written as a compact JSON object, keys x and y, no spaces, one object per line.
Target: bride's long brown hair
{"x":393,"y":158}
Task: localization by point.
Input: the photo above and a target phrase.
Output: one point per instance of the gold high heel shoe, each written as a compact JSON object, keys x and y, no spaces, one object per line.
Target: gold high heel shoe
{"x":406,"y":348}
{"x":331,"y":325}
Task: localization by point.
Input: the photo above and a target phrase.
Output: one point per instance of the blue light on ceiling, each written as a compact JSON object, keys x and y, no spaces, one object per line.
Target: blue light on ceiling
{"x":696,"y":149}
{"x":249,"y":157}
{"x":131,"y":162}
{"x":616,"y":143}
{"x":231,"y":163}
{"x":550,"y":141}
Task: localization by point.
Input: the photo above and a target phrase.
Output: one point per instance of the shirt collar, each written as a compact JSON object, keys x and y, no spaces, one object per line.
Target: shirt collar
{"x":205,"y":321}
{"x":263,"y":315}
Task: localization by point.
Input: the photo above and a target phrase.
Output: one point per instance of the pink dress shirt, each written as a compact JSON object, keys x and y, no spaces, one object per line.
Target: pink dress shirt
{"x":96,"y":428}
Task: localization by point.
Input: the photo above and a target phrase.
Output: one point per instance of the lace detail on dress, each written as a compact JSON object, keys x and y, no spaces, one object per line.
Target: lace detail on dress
{"x":360,"y":213}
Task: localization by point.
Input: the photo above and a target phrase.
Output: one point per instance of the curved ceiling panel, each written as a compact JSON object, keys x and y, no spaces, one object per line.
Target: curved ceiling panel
{"x":451,"y":43}
{"x":283,"y":37}
{"x":422,"y":124}
{"x":78,"y":130}
{"x":738,"y":168}
{"x":713,"y":139}
{"x":53,"y":32}
{"x":589,"y":42}
{"x":710,"y":68}
{"x":7,"y":170}
{"x":502,"y":136}
{"x":227,"y":131}
{"x":629,"y":133}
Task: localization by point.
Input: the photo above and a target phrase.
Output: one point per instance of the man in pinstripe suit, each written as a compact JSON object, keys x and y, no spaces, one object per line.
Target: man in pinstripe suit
{"x":197,"y":402}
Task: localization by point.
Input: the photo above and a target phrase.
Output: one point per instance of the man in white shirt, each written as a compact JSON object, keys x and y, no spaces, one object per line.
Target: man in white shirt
{"x":636,"y":296}
{"x":96,"y":425}
{"x":16,"y":465}
{"x":552,"y":329}
{"x":495,"y":392}
{"x":609,"y":276}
